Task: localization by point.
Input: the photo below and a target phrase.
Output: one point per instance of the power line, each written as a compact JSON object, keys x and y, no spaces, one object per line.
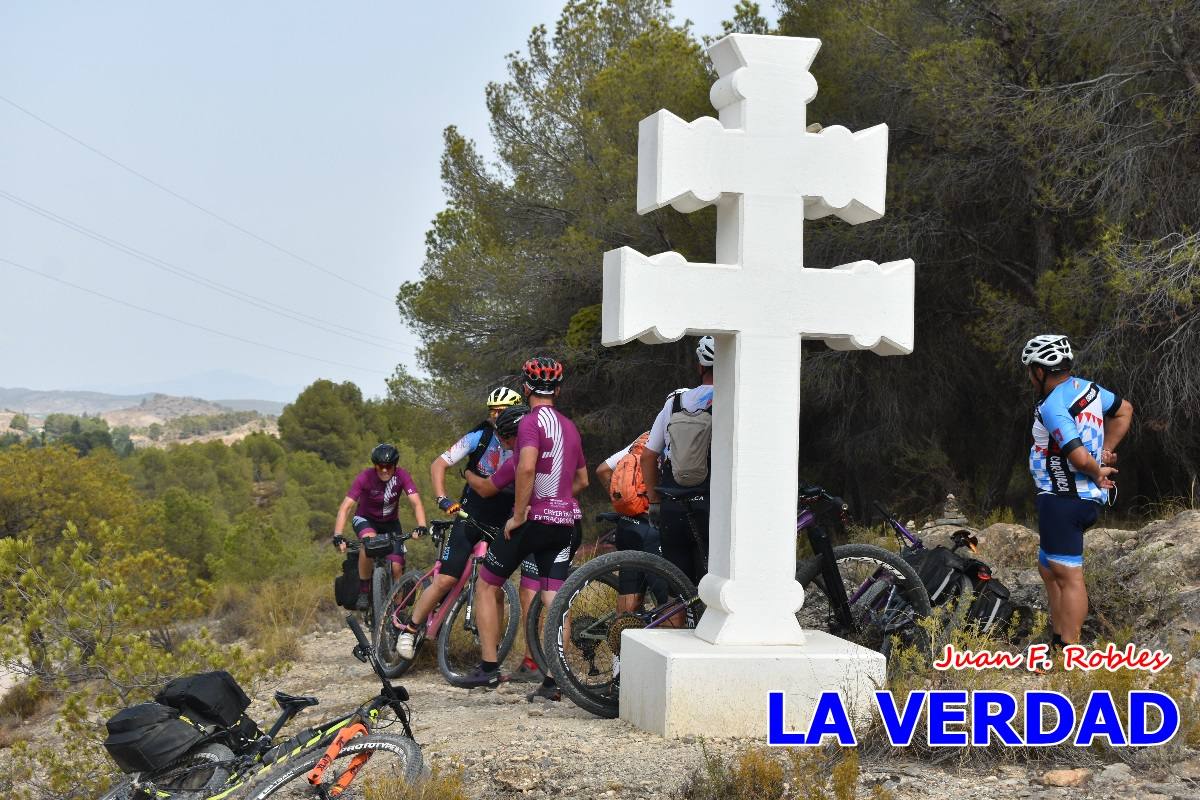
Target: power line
{"x":196,"y":325}
{"x":194,"y":277}
{"x":190,"y":202}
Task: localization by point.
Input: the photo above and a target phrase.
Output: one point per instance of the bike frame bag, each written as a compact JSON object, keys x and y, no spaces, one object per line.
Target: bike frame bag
{"x":207,"y":697}
{"x":992,"y":610}
{"x":149,"y":736}
{"x":378,"y":546}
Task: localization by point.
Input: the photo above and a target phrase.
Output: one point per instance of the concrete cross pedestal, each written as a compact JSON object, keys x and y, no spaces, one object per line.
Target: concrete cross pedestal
{"x":766,"y":174}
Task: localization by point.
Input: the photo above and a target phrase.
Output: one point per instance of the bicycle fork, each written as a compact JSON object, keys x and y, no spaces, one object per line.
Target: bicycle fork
{"x":317,"y":774}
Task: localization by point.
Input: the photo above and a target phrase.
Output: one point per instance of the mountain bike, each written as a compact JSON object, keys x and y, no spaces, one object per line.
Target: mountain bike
{"x":383,"y":585}
{"x":452,"y":623}
{"x":331,"y":755}
{"x":860,"y":592}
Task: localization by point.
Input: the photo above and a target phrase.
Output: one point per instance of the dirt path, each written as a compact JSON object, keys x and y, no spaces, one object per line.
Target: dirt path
{"x":512,"y":748}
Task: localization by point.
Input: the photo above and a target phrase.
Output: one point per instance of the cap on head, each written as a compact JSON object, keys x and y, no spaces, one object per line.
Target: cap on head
{"x":543,"y":375}
{"x":706,"y":351}
{"x":385,"y":455}
{"x":1049,"y":350}
{"x":502,"y":396}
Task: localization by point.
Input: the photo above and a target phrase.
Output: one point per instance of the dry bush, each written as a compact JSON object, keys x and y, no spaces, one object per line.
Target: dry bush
{"x":274,"y":614}
{"x":442,"y":784}
{"x":21,"y":702}
{"x":759,"y":773}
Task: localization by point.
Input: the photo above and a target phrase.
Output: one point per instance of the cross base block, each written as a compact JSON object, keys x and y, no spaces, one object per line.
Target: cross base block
{"x":675,"y":684}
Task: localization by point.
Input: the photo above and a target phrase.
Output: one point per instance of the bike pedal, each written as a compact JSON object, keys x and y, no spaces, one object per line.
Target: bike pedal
{"x":360,"y":654}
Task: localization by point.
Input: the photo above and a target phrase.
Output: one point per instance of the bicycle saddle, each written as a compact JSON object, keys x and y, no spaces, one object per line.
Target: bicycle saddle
{"x":286,"y":700}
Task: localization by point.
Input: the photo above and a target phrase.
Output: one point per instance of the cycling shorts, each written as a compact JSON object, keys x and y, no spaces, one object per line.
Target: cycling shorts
{"x":532,"y":579}
{"x":636,"y":534}
{"x":456,"y":552}
{"x":391,"y":526}
{"x":681,"y":545}
{"x":550,"y":546}
{"x":1061,"y":523}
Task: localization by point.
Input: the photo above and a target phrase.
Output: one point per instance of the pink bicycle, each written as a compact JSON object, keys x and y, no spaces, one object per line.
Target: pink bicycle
{"x":452,"y":623}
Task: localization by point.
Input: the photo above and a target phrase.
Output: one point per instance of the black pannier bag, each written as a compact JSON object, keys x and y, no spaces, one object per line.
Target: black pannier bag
{"x":212,"y":698}
{"x":940,"y":571}
{"x":345,"y":586}
{"x":378,"y":546}
{"x":148,"y":737}
{"x":992,"y":610}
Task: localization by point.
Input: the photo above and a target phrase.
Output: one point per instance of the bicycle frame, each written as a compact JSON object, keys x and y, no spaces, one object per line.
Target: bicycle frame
{"x":466,"y":581}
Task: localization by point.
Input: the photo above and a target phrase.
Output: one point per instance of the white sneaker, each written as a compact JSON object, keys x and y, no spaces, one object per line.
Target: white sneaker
{"x":406,"y":646}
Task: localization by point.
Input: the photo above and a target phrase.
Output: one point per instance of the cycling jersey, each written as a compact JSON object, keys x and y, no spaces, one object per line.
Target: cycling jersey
{"x":377,"y":499}
{"x":1071,"y":416}
{"x":488,"y":510}
{"x":560,"y":456}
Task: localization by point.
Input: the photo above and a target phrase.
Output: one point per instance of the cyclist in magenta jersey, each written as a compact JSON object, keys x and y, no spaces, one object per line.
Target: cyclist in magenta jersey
{"x":550,"y":470}
{"x":375,"y":496}
{"x":1077,"y":425}
{"x":483,"y":452}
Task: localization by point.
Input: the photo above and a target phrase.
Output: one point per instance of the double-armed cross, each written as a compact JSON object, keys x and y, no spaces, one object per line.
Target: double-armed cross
{"x":766,"y":174}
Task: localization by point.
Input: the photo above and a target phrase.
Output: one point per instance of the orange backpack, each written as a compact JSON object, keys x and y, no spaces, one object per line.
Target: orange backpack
{"x":627,"y":490}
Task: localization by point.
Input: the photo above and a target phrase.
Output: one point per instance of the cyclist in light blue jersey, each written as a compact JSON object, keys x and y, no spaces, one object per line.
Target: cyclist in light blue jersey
{"x":1077,"y":425}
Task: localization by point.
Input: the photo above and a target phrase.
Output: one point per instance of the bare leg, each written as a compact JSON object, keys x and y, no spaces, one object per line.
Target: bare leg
{"x":1072,"y":601}
{"x":487,"y":611}
{"x":1053,"y":597}
{"x":526,"y":595}
{"x":431,"y":597}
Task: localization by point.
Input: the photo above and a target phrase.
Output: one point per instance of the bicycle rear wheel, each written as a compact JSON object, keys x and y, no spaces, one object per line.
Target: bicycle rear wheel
{"x":458,"y":641}
{"x":581,"y":637}
{"x":391,"y":761}
{"x":887,"y":599}
{"x":403,"y":597}
{"x":196,"y":775}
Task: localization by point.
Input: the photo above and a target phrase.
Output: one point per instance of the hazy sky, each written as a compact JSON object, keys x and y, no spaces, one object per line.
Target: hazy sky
{"x":314,"y":126}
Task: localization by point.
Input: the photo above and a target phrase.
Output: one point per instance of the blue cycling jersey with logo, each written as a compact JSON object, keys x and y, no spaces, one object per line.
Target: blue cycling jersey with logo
{"x":1071,"y":416}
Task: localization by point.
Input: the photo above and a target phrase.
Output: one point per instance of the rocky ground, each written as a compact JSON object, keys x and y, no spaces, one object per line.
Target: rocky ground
{"x":512,"y":748}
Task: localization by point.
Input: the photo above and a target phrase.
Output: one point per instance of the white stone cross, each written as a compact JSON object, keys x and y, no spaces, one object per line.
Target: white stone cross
{"x":766,"y":174}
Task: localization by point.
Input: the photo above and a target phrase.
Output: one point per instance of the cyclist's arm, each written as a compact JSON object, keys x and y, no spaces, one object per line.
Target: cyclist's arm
{"x":437,"y":474}
{"x":1117,"y":425}
{"x":580,"y":481}
{"x":604,"y":474}
{"x":481,"y":486}
{"x":457,"y":452}
{"x":526,"y":469}
{"x":650,"y":474}
{"x":418,"y":509}
{"x":339,"y":524}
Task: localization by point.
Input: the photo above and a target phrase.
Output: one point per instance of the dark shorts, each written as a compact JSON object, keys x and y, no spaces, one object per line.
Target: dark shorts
{"x":391,"y":526}
{"x":532,"y":579}
{"x":1061,"y":523}
{"x":549,"y":545}
{"x":638,"y":534}
{"x":456,"y":552}
{"x":681,"y":545}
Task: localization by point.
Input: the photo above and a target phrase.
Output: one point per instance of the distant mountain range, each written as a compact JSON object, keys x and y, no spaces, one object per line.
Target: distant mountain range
{"x":42,"y":402}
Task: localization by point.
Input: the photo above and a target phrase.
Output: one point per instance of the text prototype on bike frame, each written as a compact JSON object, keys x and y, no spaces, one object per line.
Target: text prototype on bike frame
{"x":766,"y":174}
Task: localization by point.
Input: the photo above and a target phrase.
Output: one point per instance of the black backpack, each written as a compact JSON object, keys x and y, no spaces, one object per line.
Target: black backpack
{"x":489,"y":433}
{"x":149,"y":736}
{"x":940,"y":571}
{"x":212,"y":698}
{"x":345,"y":586}
{"x":992,"y":610}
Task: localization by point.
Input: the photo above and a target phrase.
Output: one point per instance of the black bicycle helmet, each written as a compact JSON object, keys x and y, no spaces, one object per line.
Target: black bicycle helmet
{"x":506,"y":423}
{"x":385,"y":455}
{"x":542,"y":375}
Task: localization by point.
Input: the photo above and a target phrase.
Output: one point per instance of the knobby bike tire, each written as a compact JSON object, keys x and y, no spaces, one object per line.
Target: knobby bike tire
{"x":587,"y":664}
{"x":381,"y":591}
{"x":392,"y":758}
{"x":535,"y":620}
{"x":386,"y":635}
{"x":458,"y":648}
{"x":879,"y":615}
{"x":187,"y":778}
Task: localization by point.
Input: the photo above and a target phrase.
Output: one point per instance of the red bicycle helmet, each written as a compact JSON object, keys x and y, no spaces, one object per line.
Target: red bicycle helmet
{"x":542,"y":375}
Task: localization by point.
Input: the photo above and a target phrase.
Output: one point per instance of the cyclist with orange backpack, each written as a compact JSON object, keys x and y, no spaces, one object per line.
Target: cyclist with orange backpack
{"x":621,"y":474}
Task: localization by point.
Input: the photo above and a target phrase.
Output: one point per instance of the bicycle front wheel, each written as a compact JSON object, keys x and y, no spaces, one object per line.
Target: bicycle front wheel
{"x":581,"y":637}
{"x":380,"y":763}
{"x":397,"y":608}
{"x":886,"y":598}
{"x":458,"y":640}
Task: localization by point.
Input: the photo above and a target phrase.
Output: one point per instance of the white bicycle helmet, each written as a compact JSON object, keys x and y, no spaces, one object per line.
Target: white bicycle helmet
{"x":1049,"y":350}
{"x":706,"y":351}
